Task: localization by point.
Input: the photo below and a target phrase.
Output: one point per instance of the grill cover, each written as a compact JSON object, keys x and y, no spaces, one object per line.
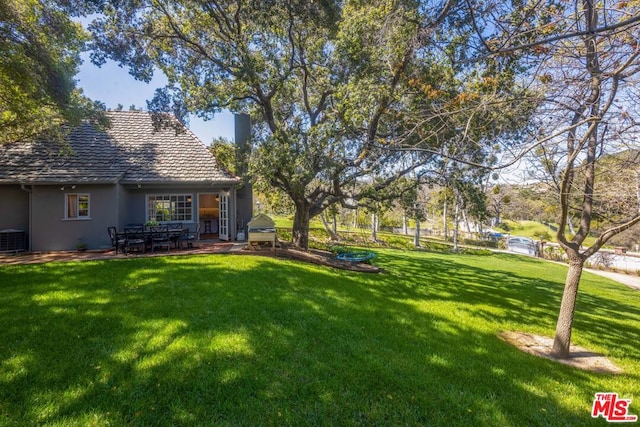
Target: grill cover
{"x":262,"y":229}
{"x":261,"y":222}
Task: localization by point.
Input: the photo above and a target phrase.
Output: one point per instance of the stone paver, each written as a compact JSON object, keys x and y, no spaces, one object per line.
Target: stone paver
{"x":41,"y":257}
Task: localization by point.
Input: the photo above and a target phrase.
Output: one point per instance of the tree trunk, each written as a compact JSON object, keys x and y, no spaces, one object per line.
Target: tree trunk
{"x":466,"y":220}
{"x":445,"y":213}
{"x":562,"y":341}
{"x":301,"y":226}
{"x":331,"y":231}
{"x":334,"y":224}
{"x":416,"y":236}
{"x":405,"y":225}
{"x":374,"y":227}
{"x":456,"y":221}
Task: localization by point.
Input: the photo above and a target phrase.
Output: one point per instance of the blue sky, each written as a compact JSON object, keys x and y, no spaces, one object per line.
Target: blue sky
{"x":114,"y":85}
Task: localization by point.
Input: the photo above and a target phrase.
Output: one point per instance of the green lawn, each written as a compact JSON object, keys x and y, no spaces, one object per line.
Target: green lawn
{"x":247,"y":340}
{"x":533,"y":229}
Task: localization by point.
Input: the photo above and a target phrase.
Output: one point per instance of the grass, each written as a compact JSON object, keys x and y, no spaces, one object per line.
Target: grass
{"x":536,"y":230}
{"x":532,"y":229}
{"x":361,"y":237}
{"x":282,"y":221}
{"x":247,"y":340}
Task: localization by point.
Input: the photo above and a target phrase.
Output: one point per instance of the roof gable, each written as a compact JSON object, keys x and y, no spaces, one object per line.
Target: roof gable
{"x":134,"y":149}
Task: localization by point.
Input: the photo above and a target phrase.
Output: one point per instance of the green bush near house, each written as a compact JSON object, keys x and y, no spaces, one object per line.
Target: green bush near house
{"x":251,"y":340}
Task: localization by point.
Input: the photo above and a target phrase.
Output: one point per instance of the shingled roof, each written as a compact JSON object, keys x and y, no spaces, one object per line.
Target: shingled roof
{"x":133,"y":149}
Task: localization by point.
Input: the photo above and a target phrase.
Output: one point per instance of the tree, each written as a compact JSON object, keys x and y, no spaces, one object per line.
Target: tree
{"x":377,"y":200}
{"x":39,"y":51}
{"x":534,"y":201}
{"x":332,"y":230}
{"x":445,"y":198}
{"x":587,"y":61}
{"x":498,"y":199}
{"x":601,"y":69}
{"x":327,"y":83}
{"x":413,"y":207}
{"x":286,"y":62}
{"x":612,"y":170}
{"x":225,"y":153}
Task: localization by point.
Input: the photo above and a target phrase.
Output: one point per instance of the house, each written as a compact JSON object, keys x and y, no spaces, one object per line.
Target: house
{"x":131,"y":172}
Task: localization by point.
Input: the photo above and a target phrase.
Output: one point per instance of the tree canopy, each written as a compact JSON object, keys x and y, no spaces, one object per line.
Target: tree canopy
{"x":39,"y":57}
{"x":328,"y":84}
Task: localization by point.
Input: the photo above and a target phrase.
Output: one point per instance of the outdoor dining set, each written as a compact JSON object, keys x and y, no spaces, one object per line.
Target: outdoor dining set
{"x":140,"y":238}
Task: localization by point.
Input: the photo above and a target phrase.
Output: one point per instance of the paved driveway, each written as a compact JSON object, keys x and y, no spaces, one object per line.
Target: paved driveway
{"x":626,"y":279}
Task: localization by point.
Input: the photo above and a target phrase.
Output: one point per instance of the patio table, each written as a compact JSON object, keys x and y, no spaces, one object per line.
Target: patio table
{"x":175,"y":234}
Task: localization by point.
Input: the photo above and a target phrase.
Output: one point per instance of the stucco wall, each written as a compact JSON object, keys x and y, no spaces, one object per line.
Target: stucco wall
{"x":51,"y":231}
{"x":134,"y":211}
{"x":110,"y":205}
{"x":14,"y":209}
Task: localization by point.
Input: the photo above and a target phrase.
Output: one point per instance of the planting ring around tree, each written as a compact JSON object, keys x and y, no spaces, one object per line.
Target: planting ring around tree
{"x":359,"y":256}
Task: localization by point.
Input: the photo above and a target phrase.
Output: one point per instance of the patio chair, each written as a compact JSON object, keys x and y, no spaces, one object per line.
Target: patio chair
{"x":190,"y":237}
{"x":160,"y":237}
{"x":118,"y":242}
{"x":134,"y":239}
{"x":175,"y":233}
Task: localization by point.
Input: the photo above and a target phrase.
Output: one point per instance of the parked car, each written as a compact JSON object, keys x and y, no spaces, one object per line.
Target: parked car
{"x":493,"y":235}
{"x":522,"y":245}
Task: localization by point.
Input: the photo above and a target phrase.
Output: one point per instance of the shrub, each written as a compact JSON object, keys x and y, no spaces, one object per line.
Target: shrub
{"x":542,"y":235}
{"x":504,"y":227}
{"x":482,"y":243}
{"x":553,"y":253}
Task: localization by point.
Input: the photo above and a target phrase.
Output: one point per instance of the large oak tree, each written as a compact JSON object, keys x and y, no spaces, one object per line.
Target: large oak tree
{"x":328,"y":83}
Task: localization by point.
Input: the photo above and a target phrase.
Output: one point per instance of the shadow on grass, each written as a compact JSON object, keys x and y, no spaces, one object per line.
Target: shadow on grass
{"x":498,"y":288}
{"x":255,"y":341}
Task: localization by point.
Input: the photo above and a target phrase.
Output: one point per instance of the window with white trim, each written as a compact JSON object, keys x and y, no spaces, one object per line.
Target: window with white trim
{"x":170,"y":207}
{"x":76,"y":206}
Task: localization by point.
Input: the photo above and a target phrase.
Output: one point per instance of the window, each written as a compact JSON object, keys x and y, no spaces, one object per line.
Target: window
{"x":170,"y":207}
{"x":76,"y":206}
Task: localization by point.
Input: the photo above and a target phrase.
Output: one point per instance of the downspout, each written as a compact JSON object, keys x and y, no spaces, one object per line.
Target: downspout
{"x":28,"y":190}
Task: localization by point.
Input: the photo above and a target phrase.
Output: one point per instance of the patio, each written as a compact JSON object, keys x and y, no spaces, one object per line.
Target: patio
{"x":199,"y":247}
